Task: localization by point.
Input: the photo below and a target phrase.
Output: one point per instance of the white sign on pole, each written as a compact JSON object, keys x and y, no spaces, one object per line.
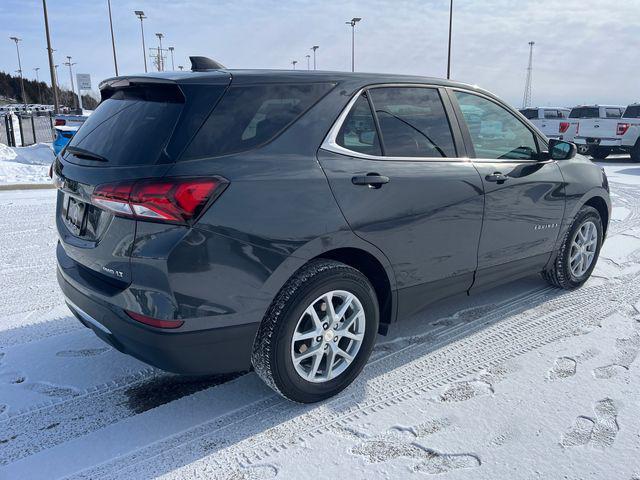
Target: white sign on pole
{"x":84,"y":81}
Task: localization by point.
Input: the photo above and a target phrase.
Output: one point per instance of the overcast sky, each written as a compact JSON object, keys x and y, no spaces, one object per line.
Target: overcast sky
{"x":586,"y":50}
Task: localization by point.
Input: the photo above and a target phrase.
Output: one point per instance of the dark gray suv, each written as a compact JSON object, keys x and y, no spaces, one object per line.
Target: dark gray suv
{"x":217,"y":220}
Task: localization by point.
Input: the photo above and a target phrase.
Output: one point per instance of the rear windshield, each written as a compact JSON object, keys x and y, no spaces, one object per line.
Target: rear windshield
{"x":553,"y":113}
{"x":530,"y":113}
{"x":632,"y":111}
{"x":129,"y":128}
{"x":585,"y":112}
{"x":249,"y":116}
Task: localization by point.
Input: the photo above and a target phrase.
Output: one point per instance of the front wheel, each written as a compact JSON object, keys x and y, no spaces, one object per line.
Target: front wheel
{"x":318,"y":333}
{"x":579,"y":251}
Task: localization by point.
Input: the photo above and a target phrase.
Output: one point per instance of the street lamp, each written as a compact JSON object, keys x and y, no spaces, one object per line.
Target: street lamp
{"x":308,"y":61}
{"x":160,"y":61}
{"x":314,"y":48}
{"x":38,"y":82}
{"x":50,"y":55}
{"x":171,"y":49}
{"x":353,"y":22}
{"x":113,"y":41}
{"x":293,"y":62}
{"x":140,"y":15}
{"x":24,"y":98}
{"x":450,"y":28}
{"x":73,"y":88}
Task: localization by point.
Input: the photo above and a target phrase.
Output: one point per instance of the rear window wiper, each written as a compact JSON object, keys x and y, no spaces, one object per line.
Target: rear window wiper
{"x":85,"y":154}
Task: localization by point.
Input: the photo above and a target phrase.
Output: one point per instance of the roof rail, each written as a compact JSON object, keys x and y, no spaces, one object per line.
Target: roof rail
{"x":202,"y":64}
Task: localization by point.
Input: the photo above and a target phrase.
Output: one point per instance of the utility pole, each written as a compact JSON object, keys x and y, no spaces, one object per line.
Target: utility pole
{"x":353,"y":22}
{"x":160,"y":59}
{"x":52,"y":70}
{"x":38,"y":82}
{"x":24,"y":98}
{"x":171,"y":49}
{"x":113,"y":41}
{"x":314,"y":48}
{"x":526,"y":99}
{"x":73,"y":88}
{"x":450,"y":29}
{"x":308,"y":62}
{"x":140,"y":15}
{"x":293,"y":62}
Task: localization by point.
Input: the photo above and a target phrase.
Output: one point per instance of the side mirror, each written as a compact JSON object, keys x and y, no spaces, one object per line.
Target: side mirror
{"x":561,"y":150}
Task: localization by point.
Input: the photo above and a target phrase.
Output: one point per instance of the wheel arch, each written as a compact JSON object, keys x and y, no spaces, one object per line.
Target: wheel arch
{"x":601,"y":206}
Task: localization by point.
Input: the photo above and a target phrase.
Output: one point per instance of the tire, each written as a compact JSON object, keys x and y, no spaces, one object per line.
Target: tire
{"x":560,"y":274}
{"x":600,"y":153}
{"x":635,"y":152}
{"x":582,"y":149}
{"x":273,"y":348}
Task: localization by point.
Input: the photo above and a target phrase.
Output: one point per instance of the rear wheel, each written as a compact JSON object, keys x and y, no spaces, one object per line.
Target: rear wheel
{"x":579,"y":251}
{"x":635,"y":152}
{"x":318,"y":333}
{"x":600,"y":153}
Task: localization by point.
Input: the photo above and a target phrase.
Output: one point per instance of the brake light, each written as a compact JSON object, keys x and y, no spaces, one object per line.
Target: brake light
{"x":154,"y":322}
{"x":564,"y":126}
{"x":59,"y":122}
{"x":166,"y":200}
{"x":622,"y":128}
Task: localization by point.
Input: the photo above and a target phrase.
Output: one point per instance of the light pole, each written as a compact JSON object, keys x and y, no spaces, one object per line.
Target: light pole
{"x":113,"y":41}
{"x":160,"y":61}
{"x":314,"y":48}
{"x":308,"y":61}
{"x":38,"y":82}
{"x":171,"y":49}
{"x":24,"y":98}
{"x":293,"y":62}
{"x":353,"y":22}
{"x":73,"y":88}
{"x":450,"y":29}
{"x":140,"y":15}
{"x":52,"y":70}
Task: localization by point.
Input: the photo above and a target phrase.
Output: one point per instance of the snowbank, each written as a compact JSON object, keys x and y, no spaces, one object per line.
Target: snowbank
{"x":25,"y":164}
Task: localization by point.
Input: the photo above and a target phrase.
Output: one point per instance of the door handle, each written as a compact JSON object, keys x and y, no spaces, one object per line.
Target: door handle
{"x":497,"y":177}
{"x":372,"y":180}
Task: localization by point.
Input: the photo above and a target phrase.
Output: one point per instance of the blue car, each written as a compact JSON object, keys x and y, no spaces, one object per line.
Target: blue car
{"x":63,"y":136}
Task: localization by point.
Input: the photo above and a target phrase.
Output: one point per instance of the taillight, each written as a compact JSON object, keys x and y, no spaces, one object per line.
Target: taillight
{"x":166,"y":200}
{"x":564,"y":126}
{"x":622,"y":128}
{"x":154,"y":322}
{"x":60,"y":122}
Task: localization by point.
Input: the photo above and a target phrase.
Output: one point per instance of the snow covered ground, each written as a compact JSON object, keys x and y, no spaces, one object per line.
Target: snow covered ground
{"x":25,"y":165}
{"x":521,"y":382}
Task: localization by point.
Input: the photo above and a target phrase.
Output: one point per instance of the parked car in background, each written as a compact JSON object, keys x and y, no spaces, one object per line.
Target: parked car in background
{"x":629,"y":131}
{"x":598,"y":130}
{"x":554,"y":122}
{"x":63,"y":135}
{"x":214,"y":220}
{"x":65,"y":120}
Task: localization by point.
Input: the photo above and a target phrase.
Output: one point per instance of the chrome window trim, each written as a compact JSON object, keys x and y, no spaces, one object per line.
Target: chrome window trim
{"x":330,"y":144}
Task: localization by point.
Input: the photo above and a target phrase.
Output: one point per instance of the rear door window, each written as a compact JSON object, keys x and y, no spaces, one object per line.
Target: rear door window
{"x":554,"y":114}
{"x":613,"y":112}
{"x":252,"y":115}
{"x":358,"y":132}
{"x":129,"y":128}
{"x":413,"y":122}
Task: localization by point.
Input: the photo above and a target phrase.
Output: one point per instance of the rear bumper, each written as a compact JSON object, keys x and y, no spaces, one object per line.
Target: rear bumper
{"x":192,"y":352}
{"x":601,"y":142}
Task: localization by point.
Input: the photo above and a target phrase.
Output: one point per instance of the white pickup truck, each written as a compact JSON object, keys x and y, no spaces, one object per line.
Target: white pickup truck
{"x":554,"y":122}
{"x":599,"y":128}
{"x":629,"y":131}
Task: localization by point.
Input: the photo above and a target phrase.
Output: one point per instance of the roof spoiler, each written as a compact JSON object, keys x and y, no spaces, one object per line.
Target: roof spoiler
{"x":202,"y":64}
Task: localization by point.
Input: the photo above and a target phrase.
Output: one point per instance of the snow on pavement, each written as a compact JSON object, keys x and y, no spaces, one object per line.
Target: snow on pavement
{"x":523,"y":381}
{"x":22,"y":165}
